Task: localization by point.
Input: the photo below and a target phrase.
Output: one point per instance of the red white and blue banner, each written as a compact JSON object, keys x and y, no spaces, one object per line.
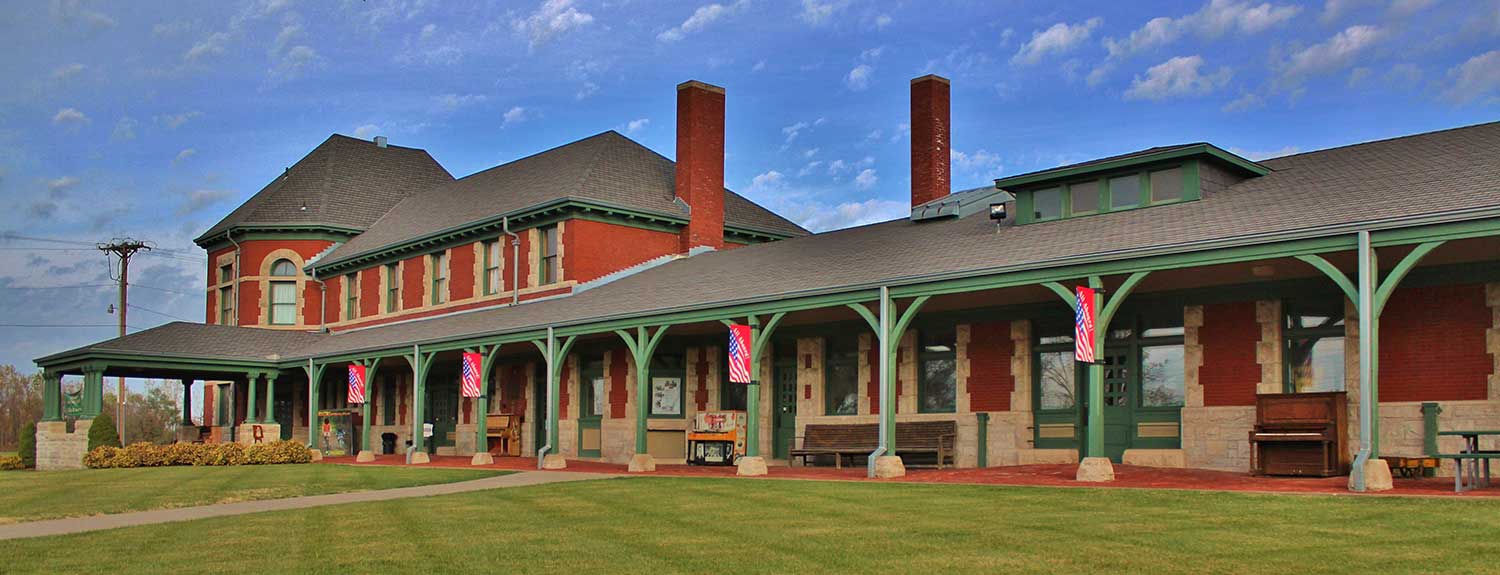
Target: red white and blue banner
{"x":356,"y":383}
{"x":739,"y":353}
{"x":1083,"y":328}
{"x":470,"y":387}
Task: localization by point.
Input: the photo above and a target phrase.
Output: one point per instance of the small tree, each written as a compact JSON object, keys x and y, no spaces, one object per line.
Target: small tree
{"x":28,"y":444}
{"x":102,"y":431}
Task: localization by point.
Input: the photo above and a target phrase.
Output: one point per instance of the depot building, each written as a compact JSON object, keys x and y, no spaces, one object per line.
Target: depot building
{"x":597,"y":280}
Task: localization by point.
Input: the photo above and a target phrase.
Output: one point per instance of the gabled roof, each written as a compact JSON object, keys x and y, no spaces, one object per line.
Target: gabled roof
{"x":345,"y":183}
{"x":1136,"y":158}
{"x":202,"y":341}
{"x":606,"y":168}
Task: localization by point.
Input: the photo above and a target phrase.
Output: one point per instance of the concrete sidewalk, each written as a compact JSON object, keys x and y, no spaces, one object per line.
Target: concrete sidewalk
{"x":82,"y":524}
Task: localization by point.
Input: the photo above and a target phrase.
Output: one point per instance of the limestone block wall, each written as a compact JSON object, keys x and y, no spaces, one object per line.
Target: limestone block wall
{"x":58,"y":449}
{"x":1217,"y":437}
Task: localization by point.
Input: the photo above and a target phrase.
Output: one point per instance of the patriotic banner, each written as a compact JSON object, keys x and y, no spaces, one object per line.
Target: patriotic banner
{"x":1083,"y":329}
{"x":739,"y":353}
{"x":356,"y":383}
{"x":470,"y":387}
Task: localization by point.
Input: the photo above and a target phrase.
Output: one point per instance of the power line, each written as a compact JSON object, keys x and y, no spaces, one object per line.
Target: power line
{"x":81,"y":286}
{"x":47,"y":325}
{"x":149,"y":310}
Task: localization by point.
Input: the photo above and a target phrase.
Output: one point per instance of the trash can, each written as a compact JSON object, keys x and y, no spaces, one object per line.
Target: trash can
{"x":388,"y":443}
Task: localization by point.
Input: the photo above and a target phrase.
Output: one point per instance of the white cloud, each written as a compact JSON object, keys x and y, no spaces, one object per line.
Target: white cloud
{"x":979,"y":163}
{"x":809,"y":168}
{"x":515,"y":115}
{"x":1214,"y":19}
{"x":67,"y":71}
{"x":70,"y":117}
{"x":366,"y":131}
{"x":449,"y":103}
{"x":124,"y":129}
{"x":701,"y":18}
{"x":184,"y":155}
{"x":636,"y":125}
{"x":1058,"y":39}
{"x":553,"y":18}
{"x":213,"y":45}
{"x":198,"y":200}
{"x":1332,"y":55}
{"x":810,"y":152}
{"x":1177,"y":77}
{"x":1258,"y":155}
{"x":1246,"y":101}
{"x":882,"y":21}
{"x":874,"y":135}
{"x":903,"y":130}
{"x":791,"y":132}
{"x":866,"y":179}
{"x":759,"y":65}
{"x":765,"y":183}
{"x":295,"y":62}
{"x":818,"y":13}
{"x":585,"y":90}
{"x":859,"y":78}
{"x":72,"y":12}
{"x":60,"y":185}
{"x":174,"y":121}
{"x":1475,"y":79}
{"x":822,"y":218}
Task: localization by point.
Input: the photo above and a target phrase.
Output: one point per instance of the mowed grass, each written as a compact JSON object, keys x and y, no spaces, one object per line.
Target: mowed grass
{"x":700,"y":525}
{"x":33,"y":495}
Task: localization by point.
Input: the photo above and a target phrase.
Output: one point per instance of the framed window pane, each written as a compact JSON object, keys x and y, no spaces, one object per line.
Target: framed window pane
{"x":1166,"y":185}
{"x":1125,"y":191}
{"x":1085,"y":197}
{"x":937,"y":387}
{"x":283,"y":303}
{"x":491,"y":267}
{"x":392,"y":288}
{"x":841,"y":376}
{"x":1315,"y":363}
{"x":226,"y":273}
{"x":1058,"y":385}
{"x":1162,"y":376}
{"x":226,"y":305}
{"x":351,"y":297}
{"x":732,"y":396}
{"x":596,"y":397}
{"x":1047,"y":203}
{"x":284,"y":268}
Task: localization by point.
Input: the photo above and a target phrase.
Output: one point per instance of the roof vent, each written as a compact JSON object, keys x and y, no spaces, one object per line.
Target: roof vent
{"x":380,"y":141}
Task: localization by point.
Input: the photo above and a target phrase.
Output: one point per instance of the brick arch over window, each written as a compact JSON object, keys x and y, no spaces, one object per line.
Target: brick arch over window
{"x":268,"y":275}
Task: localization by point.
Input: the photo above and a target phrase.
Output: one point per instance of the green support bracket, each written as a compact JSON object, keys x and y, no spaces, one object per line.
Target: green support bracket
{"x":371,"y":367}
{"x":760,"y":336}
{"x":555,"y":362}
{"x":888,"y":368}
{"x":314,"y":387}
{"x":642,"y":346}
{"x":1333,"y":273}
{"x":1094,"y":428}
{"x":482,"y":407}
{"x":420,"y":362}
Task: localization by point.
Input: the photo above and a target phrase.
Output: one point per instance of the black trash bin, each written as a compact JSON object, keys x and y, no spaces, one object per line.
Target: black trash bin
{"x":388,"y":443}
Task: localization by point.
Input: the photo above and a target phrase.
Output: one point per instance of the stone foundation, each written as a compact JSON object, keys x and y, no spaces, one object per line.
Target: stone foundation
{"x":1217,"y":437}
{"x":1167,"y":458}
{"x":1095,"y":470}
{"x":1046,"y":456}
{"x":58,"y":449}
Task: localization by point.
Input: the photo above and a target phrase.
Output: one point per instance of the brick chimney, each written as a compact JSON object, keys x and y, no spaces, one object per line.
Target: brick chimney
{"x":700,"y":162}
{"x":929,"y":139}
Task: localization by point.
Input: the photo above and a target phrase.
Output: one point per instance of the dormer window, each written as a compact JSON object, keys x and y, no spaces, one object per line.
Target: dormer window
{"x":1125,"y":192}
{"x":1166,"y":185}
{"x":1048,"y":203}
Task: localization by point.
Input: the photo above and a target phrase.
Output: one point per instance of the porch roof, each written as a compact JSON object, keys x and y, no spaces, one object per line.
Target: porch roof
{"x":1327,"y":193}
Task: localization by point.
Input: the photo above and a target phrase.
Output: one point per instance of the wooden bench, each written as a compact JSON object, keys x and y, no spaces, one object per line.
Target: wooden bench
{"x":859,"y":439}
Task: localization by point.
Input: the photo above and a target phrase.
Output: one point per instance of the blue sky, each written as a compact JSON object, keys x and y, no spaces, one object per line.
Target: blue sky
{"x":153,"y":120}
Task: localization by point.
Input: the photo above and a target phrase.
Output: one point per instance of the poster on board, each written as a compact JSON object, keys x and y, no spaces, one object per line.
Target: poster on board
{"x":666,"y":396}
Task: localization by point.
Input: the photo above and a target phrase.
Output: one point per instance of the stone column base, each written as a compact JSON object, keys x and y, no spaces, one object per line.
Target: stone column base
{"x":419,"y":458}
{"x":1377,"y":476}
{"x":317,"y":454}
{"x":750,"y":467}
{"x":1095,"y":469}
{"x":245,"y":433}
{"x":888,"y":466}
{"x":365,"y":456}
{"x":642,"y":463}
{"x":482,"y":458}
{"x":58,"y":449}
{"x":554,"y":461}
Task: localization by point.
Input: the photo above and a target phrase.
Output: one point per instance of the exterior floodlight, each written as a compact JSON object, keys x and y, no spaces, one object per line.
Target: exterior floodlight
{"x":997,"y":212}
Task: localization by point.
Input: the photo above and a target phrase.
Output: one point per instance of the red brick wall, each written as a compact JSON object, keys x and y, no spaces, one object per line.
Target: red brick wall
{"x":210,"y":307}
{"x":1432,"y":344}
{"x":872,"y":387}
{"x":411,"y":282}
{"x":1229,"y":374}
{"x":700,"y":396}
{"x":208,"y":405}
{"x":990,"y":382}
{"x":312,"y":308}
{"x":563,"y":397}
{"x":594,"y":249}
{"x":525,"y":264}
{"x":249,"y":304}
{"x":371,"y":291}
{"x":619,"y":368}
{"x":333,"y":297}
{"x":461,"y":272}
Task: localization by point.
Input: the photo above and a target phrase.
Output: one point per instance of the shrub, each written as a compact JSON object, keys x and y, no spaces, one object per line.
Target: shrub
{"x":102,"y":431}
{"x":102,"y":457}
{"x":145,"y":454}
{"x":11,"y":462}
{"x":182,"y":453}
{"x":222,"y":454}
{"x":28,"y":445}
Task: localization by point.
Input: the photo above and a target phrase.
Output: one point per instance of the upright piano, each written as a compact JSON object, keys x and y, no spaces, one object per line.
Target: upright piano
{"x":1299,"y":434}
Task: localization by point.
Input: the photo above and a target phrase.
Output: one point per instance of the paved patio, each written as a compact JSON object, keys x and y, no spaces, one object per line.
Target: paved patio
{"x":1126,"y":476}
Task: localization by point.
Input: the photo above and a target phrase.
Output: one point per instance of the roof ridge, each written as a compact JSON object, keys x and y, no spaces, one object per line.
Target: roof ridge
{"x":593,"y":164}
{"x":1385,"y":140}
{"x":530,"y":156}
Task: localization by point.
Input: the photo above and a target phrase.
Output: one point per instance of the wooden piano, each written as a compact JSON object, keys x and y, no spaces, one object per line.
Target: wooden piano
{"x":1299,"y":434}
{"x":504,"y":434}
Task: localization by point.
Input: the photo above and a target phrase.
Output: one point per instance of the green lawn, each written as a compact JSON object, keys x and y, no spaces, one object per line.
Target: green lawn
{"x":32,"y":495}
{"x":680,"y":525}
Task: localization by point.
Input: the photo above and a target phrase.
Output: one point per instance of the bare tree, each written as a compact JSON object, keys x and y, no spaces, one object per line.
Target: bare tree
{"x":20,"y":403}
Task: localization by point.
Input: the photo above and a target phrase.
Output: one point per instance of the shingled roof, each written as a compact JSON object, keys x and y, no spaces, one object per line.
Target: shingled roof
{"x":608,"y":168}
{"x":344,"y":182}
{"x":201,"y":341}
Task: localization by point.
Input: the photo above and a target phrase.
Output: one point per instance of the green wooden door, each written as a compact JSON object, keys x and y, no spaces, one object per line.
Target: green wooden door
{"x":1119,"y":383}
{"x":442,"y":411}
{"x":591,"y":404}
{"x":785,"y":411}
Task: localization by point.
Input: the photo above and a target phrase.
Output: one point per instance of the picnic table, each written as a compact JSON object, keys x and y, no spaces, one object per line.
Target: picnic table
{"x":1475,"y":457}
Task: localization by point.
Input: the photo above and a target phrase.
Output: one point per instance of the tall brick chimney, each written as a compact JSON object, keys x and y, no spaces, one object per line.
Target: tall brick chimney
{"x":929,"y":139}
{"x":700,"y":162}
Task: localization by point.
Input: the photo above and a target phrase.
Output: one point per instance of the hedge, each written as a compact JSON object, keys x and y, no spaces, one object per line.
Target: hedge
{"x":11,"y":463}
{"x":28,"y":444}
{"x":145,"y":454}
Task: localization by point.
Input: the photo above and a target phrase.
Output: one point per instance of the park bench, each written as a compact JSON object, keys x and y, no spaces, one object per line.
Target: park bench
{"x":859,"y":439}
{"x":1469,"y":465}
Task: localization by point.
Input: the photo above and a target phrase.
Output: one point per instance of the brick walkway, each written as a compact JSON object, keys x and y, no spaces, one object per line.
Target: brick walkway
{"x":82,"y":524}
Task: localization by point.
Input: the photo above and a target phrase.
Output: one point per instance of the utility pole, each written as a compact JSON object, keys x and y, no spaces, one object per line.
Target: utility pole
{"x":123,"y":248}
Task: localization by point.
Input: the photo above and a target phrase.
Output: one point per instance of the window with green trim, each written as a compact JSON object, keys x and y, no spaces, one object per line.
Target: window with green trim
{"x":439,"y":277}
{"x":392,"y":288}
{"x":1085,"y":197}
{"x":547,"y":267}
{"x":1110,"y":192}
{"x":593,"y":389}
{"x":351,"y":296}
{"x":1047,"y":204}
{"x":1166,"y":185}
{"x":1314,"y":345}
{"x":1125,"y":191}
{"x":491,"y":267}
{"x":937,"y":369}
{"x":226,"y":273}
{"x":226,"y":305}
{"x":841,"y":375}
{"x":283,"y":310}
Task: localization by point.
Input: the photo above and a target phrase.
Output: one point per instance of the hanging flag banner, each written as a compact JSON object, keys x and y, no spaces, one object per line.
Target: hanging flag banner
{"x":739,"y":353}
{"x":470,"y":387}
{"x":356,"y":383}
{"x":1083,"y":329}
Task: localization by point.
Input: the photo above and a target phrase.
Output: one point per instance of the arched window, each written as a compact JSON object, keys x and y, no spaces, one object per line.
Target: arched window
{"x":283,"y":293}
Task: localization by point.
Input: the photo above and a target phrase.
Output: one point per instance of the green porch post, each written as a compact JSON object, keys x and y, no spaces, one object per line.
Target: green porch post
{"x":482,"y":407}
{"x":187,"y":402}
{"x":642,"y":346}
{"x":269,"y":416}
{"x":371,"y":367}
{"x":51,"y":396}
{"x":550,"y":456}
{"x":889,"y":326}
{"x":250,"y":413}
{"x":420,"y":364}
{"x":314,"y":388}
{"x":93,"y":391}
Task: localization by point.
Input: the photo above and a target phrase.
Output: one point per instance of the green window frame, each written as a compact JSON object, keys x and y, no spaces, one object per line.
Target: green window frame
{"x":226,"y":305}
{"x":222,"y":406}
{"x":593,"y":389}
{"x":491,"y":267}
{"x":547,"y":264}
{"x":351,"y":296}
{"x":1092,"y":195}
{"x":667,"y":367}
{"x":282,"y":305}
{"x":841,"y":375}
{"x":1313,"y":345}
{"x":392,"y":288}
{"x":937,"y":370}
{"x":440,"y":277}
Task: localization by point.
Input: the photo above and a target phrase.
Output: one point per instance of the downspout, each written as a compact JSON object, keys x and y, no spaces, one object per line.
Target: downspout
{"x":541,"y":453}
{"x":312,"y":404}
{"x":885,"y":352}
{"x":515,"y":264}
{"x":323,"y":301}
{"x":235,"y":287}
{"x":1366,"y":350}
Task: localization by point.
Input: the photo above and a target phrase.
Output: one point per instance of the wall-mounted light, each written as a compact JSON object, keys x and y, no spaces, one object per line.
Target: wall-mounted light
{"x":997,"y":211}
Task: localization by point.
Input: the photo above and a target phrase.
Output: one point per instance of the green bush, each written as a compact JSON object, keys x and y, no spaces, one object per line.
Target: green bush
{"x":28,"y":445}
{"x":102,"y":431}
{"x":145,"y":454}
{"x":11,"y":463}
{"x":151,"y":455}
{"x":102,"y":457}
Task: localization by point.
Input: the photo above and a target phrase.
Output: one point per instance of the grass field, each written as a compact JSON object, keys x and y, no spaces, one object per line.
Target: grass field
{"x":679,"y":525}
{"x":28,"y":496}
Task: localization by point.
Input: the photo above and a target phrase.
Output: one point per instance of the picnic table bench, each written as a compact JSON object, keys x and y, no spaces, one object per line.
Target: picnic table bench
{"x":859,"y":439}
{"x":1471,"y":460}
